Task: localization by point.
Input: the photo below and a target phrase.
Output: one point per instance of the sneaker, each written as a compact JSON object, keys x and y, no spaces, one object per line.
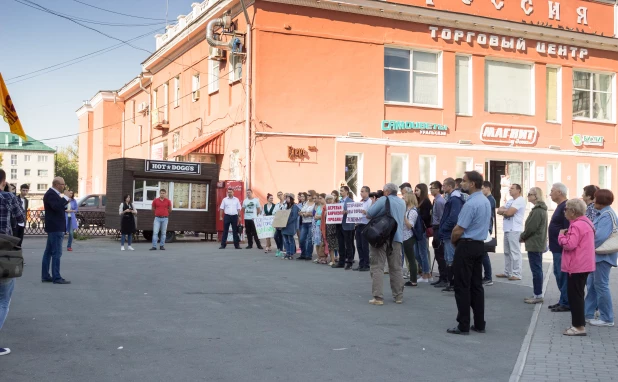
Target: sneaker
{"x":153,"y":248}
{"x":4,"y":351}
{"x":600,"y":323}
{"x":441,"y":284}
{"x":514,"y":278}
{"x":398,"y":301}
{"x":162,"y":248}
{"x":376,"y":302}
{"x":278,"y":254}
{"x":448,"y":289}
{"x":422,"y":280}
{"x":533,"y":300}
{"x":406,"y":277}
{"x":487,"y":282}
{"x":122,"y":248}
{"x":131,"y":248}
{"x":502,"y":276}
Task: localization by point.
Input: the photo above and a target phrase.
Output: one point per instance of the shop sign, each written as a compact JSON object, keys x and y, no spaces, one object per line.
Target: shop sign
{"x":184,"y":168}
{"x":506,"y":43}
{"x":297,"y":153}
{"x":424,"y":128}
{"x":587,"y":140}
{"x":509,"y":134}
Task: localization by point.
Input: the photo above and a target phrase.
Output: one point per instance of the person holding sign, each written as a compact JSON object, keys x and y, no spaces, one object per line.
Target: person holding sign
{"x":269,"y":209}
{"x":290,"y":228}
{"x":231,"y":207}
{"x":345,"y":234}
{"x":331,"y":232}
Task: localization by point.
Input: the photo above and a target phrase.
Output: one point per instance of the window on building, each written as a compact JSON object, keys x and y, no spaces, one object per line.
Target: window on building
{"x":195,"y":87}
{"x":605,"y":177}
{"x":412,"y":77}
{"x":592,"y":96}
{"x":42,"y":158}
{"x":583,"y":175}
{"x":399,"y":168}
{"x":213,"y":76}
{"x":354,"y":172}
{"x":41,"y":187}
{"x":26,"y":172}
{"x":176,"y":141}
{"x":42,"y":172}
{"x":26,"y":158}
{"x":461,"y":166}
{"x":139,"y":134}
{"x":13,"y":173}
{"x":13,"y":160}
{"x":235,"y":67}
{"x":509,"y":87}
{"x":463,"y":85}
{"x":190,"y":196}
{"x":166,"y":104}
{"x":427,"y":168}
{"x":133,"y":111}
{"x":177,"y":91}
{"x":553,"y":94}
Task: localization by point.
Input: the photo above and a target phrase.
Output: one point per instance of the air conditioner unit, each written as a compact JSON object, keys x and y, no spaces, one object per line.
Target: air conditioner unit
{"x":196,"y":95}
{"x":142,"y":107}
{"x":216,"y":54}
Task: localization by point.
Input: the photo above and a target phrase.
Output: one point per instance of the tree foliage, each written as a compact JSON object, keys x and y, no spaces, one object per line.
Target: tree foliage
{"x":66,"y":165}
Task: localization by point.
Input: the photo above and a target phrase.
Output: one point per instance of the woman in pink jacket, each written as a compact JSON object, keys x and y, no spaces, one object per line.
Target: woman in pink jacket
{"x":578,"y":260}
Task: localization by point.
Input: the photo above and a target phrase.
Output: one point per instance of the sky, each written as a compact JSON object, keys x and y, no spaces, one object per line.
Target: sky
{"x":33,"y":40}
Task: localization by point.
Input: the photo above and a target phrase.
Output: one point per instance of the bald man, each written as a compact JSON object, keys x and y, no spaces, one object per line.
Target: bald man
{"x":55,"y":202}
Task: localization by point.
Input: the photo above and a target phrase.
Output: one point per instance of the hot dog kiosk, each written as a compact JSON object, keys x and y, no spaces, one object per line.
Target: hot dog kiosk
{"x":190,"y":186}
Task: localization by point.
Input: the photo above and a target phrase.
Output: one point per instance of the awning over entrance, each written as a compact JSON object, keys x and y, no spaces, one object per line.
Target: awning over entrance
{"x":208,"y":144}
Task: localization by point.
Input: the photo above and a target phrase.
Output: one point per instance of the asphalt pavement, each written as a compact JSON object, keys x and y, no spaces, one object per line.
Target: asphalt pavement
{"x":197,"y":313}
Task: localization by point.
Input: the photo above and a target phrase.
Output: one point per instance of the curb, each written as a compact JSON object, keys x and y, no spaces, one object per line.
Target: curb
{"x":518,"y":369}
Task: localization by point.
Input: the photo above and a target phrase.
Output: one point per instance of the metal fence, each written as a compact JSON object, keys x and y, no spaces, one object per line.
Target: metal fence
{"x":90,"y":223}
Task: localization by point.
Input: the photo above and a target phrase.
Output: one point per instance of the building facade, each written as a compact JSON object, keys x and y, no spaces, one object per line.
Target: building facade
{"x":27,"y":162}
{"x":364,"y":92}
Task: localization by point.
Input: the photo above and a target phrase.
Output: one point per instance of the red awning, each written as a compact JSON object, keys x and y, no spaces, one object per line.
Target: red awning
{"x":207,"y":144}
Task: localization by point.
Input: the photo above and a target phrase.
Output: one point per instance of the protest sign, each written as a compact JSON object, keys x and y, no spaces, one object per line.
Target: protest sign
{"x":264,"y":226}
{"x":355,"y":213}
{"x":334,"y":213}
{"x":281,"y":218}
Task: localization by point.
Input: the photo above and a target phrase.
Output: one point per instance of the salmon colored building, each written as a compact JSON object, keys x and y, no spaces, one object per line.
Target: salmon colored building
{"x":305,"y":94}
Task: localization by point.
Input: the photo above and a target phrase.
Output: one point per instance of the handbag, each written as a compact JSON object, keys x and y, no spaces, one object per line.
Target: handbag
{"x":492,"y":241}
{"x":610,"y":245}
{"x":11,"y":258}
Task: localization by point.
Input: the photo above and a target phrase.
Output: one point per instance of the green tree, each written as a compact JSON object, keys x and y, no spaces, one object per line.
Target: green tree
{"x":66,"y":166}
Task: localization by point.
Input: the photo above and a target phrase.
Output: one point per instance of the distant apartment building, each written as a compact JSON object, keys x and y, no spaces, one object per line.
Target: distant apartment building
{"x":291,"y":95}
{"x":27,"y":162}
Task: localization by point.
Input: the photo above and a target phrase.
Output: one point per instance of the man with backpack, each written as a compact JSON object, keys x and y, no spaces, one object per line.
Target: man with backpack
{"x":385,"y":236}
{"x":10,"y":208}
{"x":452,"y":208}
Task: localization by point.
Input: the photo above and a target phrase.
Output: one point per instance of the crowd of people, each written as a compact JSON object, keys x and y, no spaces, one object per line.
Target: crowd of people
{"x":458,"y":218}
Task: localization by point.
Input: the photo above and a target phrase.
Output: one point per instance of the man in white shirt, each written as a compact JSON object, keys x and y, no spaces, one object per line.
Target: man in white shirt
{"x":252,"y":209}
{"x":230,"y":207}
{"x":513,"y":225}
{"x":361,"y":242}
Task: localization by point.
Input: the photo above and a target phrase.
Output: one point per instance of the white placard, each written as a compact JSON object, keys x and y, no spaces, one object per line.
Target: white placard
{"x":264,"y":226}
{"x":355,"y":213}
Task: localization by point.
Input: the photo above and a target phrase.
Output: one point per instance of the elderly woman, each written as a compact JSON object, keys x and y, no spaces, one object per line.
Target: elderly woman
{"x":577,"y":261}
{"x":535,"y":239}
{"x":599,"y":296}
{"x":331,"y":233}
{"x":588,"y":198}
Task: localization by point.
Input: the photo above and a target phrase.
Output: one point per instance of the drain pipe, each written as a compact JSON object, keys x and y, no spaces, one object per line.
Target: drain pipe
{"x":248,"y":44}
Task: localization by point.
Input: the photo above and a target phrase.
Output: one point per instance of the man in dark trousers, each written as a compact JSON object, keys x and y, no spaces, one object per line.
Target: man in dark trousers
{"x":23,"y":202}
{"x":55,"y":202}
{"x":345,"y":234}
{"x":230,"y":207}
{"x":469,"y":238}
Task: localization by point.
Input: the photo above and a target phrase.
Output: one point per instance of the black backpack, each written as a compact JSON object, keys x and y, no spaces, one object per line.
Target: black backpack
{"x":381,"y":230}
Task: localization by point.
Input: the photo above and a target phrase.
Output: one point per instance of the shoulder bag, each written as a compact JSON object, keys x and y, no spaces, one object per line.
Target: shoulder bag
{"x":610,"y":245}
{"x":11,"y":258}
{"x":381,"y":230}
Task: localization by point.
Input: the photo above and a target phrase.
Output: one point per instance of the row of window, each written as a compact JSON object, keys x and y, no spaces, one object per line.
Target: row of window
{"x":27,"y":158}
{"x":41,"y":173}
{"x":235,"y":74}
{"x":415,"y":77}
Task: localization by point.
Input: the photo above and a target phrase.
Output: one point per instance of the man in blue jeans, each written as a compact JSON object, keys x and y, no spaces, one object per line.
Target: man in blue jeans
{"x":487,"y":187}
{"x":450,"y":215}
{"x":55,"y":203}
{"x":558,"y":222}
{"x":161,"y":207}
{"x":10,"y":207}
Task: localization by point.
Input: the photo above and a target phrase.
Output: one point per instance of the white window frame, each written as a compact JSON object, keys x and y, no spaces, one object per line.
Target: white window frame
{"x":42,"y":158}
{"x":44,"y":188}
{"x":175,"y":141}
{"x":405,"y":166}
{"x":411,"y":71}
{"x":133,"y":111}
{"x":166,"y":104}
{"x":13,"y":174}
{"x":613,"y":103}
{"x":608,"y":176}
{"x":586,"y":174}
{"x":558,"y":93}
{"x":26,"y":158}
{"x":532,"y":84}
{"x":195,"y":86}
{"x":26,"y":172}
{"x":470,"y":86}
{"x":177,"y":91}
{"x":13,"y":159}
{"x":42,"y":173}
{"x":139,"y":134}
{"x":432,"y":166}
{"x":234,"y":60}
{"x":213,"y":76}
{"x":147,"y":205}
{"x":469,"y":164}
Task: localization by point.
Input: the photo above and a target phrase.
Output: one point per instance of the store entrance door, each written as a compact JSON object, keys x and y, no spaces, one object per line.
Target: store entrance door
{"x":518,"y":173}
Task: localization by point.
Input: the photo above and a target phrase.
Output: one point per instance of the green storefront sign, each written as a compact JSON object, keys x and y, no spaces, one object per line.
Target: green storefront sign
{"x":425,"y":128}
{"x":587,"y":140}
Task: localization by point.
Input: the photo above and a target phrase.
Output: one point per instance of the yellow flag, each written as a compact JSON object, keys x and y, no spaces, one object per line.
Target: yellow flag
{"x":7,"y":110}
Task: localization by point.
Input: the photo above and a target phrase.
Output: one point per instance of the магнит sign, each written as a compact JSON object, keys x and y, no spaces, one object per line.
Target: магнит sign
{"x":186,"y":168}
{"x":509,"y":134}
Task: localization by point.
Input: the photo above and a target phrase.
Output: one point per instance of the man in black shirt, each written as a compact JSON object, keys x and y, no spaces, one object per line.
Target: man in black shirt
{"x":558,"y":222}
